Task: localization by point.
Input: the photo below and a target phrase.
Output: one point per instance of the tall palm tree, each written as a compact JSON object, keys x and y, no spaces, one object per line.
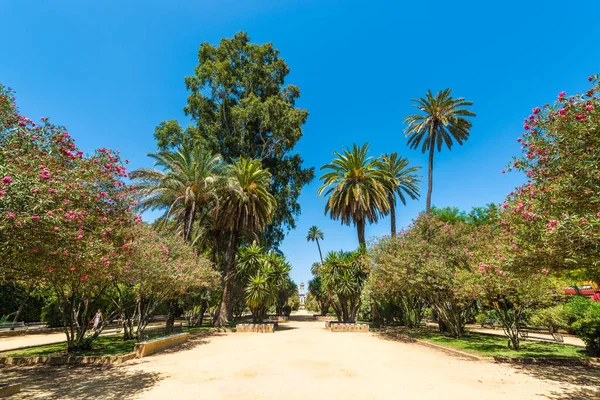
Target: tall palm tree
{"x":245,"y":209}
{"x":356,"y":189}
{"x":442,"y":122}
{"x":184,"y":186}
{"x":400,"y":180}
{"x":314,"y":234}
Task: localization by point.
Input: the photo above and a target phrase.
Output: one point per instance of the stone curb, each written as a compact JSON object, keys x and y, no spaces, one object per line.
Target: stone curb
{"x":73,"y":360}
{"x":9,"y":390}
{"x":451,"y":351}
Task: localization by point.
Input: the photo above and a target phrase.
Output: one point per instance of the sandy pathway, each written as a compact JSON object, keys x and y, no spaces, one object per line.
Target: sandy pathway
{"x":304,"y":361}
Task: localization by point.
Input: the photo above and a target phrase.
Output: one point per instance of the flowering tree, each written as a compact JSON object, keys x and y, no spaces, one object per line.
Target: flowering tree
{"x":161,"y":267}
{"x":62,"y":215}
{"x":434,"y":261}
{"x":555,"y":216}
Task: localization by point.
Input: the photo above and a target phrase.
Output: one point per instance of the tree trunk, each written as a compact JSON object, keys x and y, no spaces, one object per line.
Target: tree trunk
{"x":430,"y":178}
{"x":320,"y":254}
{"x":392,"y":213}
{"x":226,"y":302}
{"x":360,"y":229}
{"x":18,"y":314}
{"x":171,"y":315}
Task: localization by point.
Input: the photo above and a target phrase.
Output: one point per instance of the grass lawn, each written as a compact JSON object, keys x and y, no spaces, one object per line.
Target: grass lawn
{"x":491,"y":346}
{"x":102,"y":346}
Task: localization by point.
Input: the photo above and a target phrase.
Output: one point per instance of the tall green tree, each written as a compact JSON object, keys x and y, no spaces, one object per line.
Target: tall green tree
{"x":355,"y":189}
{"x":241,"y":107}
{"x":314,"y":234}
{"x":401,"y":180}
{"x":184,"y":187}
{"x":442,"y":121}
{"x":246,"y":208}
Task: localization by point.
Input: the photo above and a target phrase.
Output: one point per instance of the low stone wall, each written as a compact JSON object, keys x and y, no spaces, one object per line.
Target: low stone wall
{"x":324,"y":318}
{"x":144,"y":349}
{"x":256,"y":328}
{"x":8,"y":390}
{"x":68,"y":360}
{"x":342,"y":327}
{"x":21,"y":332}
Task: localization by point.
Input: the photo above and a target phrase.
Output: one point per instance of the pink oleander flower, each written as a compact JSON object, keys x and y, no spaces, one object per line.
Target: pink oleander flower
{"x":544,"y":271}
{"x":589,"y":107}
{"x":79,"y":237}
{"x":50,"y":269}
{"x":7,"y":179}
{"x":72,"y":268}
{"x":35,"y":218}
{"x":107,"y":263}
{"x":562,"y":94}
{"x":45,"y":174}
{"x":10,"y":214}
{"x":84,"y":277}
{"x":536,"y":110}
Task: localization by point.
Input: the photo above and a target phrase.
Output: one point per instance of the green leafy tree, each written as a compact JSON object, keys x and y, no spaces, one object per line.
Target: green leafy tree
{"x":241,"y":107}
{"x":355,"y":189}
{"x":246,"y":208}
{"x":400,"y":180}
{"x":442,"y":121}
{"x":314,"y":234}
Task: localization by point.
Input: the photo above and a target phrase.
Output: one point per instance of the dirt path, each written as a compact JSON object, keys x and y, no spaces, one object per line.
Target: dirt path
{"x":302,"y":361}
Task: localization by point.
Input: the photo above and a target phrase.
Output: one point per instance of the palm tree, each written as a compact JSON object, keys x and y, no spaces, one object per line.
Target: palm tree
{"x":246,"y":208}
{"x":400,"y":180}
{"x":185,"y":185}
{"x":314,"y":234}
{"x":356,"y":189}
{"x":442,"y":122}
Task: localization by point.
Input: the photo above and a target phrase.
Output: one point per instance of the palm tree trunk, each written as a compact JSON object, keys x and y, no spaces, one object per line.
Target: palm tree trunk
{"x":430,"y":178}
{"x":320,"y":254}
{"x":360,"y":229}
{"x":226,"y":301}
{"x":392,"y":213}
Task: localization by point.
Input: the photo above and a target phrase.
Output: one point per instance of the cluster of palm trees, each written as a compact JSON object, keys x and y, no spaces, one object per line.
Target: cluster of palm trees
{"x":214,"y":205}
{"x":264,"y":276}
{"x":361,"y":189}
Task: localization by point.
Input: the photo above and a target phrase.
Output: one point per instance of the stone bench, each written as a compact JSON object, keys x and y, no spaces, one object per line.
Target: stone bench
{"x":149,"y":347}
{"x":255,"y":328}
{"x":343,"y":327}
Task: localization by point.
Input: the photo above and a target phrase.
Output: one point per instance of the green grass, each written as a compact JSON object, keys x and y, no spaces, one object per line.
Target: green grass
{"x":102,"y":346}
{"x":497,"y":346}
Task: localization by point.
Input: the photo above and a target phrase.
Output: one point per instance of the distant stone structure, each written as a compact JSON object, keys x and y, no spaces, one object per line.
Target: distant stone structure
{"x":302,"y":295}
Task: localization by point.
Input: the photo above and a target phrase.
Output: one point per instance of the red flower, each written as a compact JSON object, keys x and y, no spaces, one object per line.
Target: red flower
{"x":7,"y":179}
{"x":84,"y":277}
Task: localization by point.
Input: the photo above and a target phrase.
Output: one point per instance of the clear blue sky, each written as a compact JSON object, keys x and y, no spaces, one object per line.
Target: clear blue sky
{"x":112,"y":70}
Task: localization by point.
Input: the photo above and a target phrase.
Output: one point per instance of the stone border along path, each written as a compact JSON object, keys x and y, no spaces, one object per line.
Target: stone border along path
{"x":303,"y":360}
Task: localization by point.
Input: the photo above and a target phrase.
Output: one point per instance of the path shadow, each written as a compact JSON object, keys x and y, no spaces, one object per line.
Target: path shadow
{"x":89,"y":382}
{"x":195,"y":339}
{"x":284,"y":328}
{"x":586,"y":378}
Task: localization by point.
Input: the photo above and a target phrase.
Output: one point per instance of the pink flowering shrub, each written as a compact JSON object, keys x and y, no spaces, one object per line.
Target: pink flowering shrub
{"x":436,"y":261}
{"x":555,"y":216}
{"x":56,"y":229}
{"x":159,"y":267}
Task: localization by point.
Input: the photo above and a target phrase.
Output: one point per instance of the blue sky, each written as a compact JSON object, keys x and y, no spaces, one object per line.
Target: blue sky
{"x":112,"y":70}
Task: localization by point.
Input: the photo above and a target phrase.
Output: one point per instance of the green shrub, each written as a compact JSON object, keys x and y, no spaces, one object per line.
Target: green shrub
{"x":481,"y":318}
{"x":553,"y":318}
{"x":587,"y":327}
{"x":51,"y":315}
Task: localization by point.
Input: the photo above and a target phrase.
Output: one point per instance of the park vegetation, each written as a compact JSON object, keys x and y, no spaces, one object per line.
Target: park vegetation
{"x":227,"y":186}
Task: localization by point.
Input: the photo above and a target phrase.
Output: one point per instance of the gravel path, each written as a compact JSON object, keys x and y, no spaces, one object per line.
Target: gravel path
{"x":305,"y":361}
